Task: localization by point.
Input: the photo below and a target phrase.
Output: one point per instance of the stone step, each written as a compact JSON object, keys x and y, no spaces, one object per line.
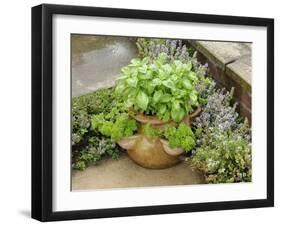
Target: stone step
{"x":230,"y":64}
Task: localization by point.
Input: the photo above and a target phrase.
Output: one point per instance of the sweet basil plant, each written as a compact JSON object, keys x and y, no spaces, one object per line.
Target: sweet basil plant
{"x":159,"y":88}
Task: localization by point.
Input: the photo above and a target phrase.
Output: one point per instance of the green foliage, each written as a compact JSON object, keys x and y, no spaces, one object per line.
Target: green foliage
{"x":167,"y":81}
{"x":181,"y":137}
{"x":159,"y":88}
{"x":88,"y":146}
{"x":84,"y":107}
{"x":144,"y":45}
{"x":177,"y":50}
{"x":174,"y":49}
{"x":223,"y":150}
{"x":205,"y":87}
{"x":178,"y":137}
{"x":151,"y":132}
{"x":224,"y":158}
{"x":116,"y":124}
{"x":96,"y":102}
{"x":80,"y":126}
{"x":96,"y":147}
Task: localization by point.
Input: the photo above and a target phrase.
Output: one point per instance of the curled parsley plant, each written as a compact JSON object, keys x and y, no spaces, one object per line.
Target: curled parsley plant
{"x":181,"y":137}
{"x":178,"y":136}
{"x":116,"y":124}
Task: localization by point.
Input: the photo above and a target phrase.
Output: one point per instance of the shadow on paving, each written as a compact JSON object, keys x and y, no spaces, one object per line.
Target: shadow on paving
{"x":124,"y":173}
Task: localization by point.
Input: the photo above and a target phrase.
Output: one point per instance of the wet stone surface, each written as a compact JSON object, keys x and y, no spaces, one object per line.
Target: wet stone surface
{"x":97,"y":60}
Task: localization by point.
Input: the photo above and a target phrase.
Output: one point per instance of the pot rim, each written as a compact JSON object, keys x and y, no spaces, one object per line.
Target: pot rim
{"x":155,"y":120}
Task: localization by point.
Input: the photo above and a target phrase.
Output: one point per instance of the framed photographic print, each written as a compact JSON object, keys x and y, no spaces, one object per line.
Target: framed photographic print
{"x":146,"y":112}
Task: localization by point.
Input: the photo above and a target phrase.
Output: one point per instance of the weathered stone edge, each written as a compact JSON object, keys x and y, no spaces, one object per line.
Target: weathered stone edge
{"x":208,"y":54}
{"x":237,"y":77}
{"x":223,"y":66}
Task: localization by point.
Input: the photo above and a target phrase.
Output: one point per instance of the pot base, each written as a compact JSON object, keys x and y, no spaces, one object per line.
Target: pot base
{"x":149,"y":153}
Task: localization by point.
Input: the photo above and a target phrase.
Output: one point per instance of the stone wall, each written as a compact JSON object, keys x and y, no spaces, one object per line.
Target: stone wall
{"x":230,"y":65}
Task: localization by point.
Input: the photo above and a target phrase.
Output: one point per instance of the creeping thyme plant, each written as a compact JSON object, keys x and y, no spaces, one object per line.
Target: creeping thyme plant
{"x":88,"y":146}
{"x":168,"y":81}
{"x":117,"y":124}
{"x":223,"y":150}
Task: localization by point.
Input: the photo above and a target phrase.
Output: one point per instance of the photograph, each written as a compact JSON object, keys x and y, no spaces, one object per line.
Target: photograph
{"x":159,"y":111}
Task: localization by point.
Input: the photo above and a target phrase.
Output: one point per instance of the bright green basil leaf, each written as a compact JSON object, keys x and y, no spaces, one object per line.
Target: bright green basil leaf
{"x":162,"y":109}
{"x":157,"y":96}
{"x":165,"y":98}
{"x":145,"y":76}
{"x":142,"y":100}
{"x":177,"y":114}
{"x":176,"y":105}
{"x":179,"y":94}
{"x":143,"y":69}
{"x":187,"y":84}
{"x":120,"y":88}
{"x":150,"y":88}
{"x":188,"y":66}
{"x":156,"y":82}
{"x":167,"y":68}
{"x":169,"y":84}
{"x":166,"y":116}
{"x":135,"y":62}
{"x":132,"y":82}
{"x":162,"y":58}
{"x":193,"y":97}
{"x":192,"y":76}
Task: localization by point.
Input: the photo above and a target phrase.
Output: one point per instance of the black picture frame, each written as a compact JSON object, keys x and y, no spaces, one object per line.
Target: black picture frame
{"x":42,"y":111}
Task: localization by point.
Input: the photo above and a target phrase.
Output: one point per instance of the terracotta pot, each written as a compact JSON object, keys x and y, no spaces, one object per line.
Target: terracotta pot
{"x":155,"y":122}
{"x":169,"y":150}
{"x":148,"y":152}
{"x":153,"y":153}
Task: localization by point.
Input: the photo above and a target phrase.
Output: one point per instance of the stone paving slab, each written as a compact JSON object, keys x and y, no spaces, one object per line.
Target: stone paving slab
{"x":222,"y":53}
{"x":233,"y":58}
{"x":124,"y":173}
{"x":230,"y":64}
{"x":241,"y":69}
